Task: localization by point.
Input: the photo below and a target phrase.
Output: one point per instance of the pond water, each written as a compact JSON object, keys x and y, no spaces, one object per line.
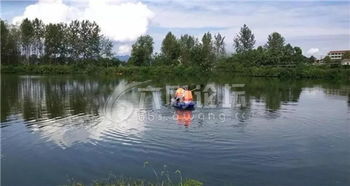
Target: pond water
{"x":243,"y":131}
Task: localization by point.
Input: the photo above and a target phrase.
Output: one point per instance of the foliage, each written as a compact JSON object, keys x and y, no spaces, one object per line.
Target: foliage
{"x":312,"y":59}
{"x":39,"y":31}
{"x":245,"y":40}
{"x":297,"y":71}
{"x":54,"y":41}
{"x":170,"y":49}
{"x":163,"y":178}
{"x":142,"y":51}
{"x":346,"y":55}
{"x":111,"y":67}
{"x":207,"y":52}
{"x":9,"y":44}
{"x":90,"y":33}
{"x":327,"y":59}
{"x":187,"y":44}
{"x":33,"y":42}
{"x":274,"y":53}
{"x":27,"y":35}
{"x":124,"y":181}
{"x":79,"y":47}
{"x":275,"y":42}
{"x":106,"y":46}
{"x":219,"y":45}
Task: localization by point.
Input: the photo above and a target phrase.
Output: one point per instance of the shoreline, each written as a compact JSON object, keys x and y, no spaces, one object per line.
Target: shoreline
{"x":298,"y":72}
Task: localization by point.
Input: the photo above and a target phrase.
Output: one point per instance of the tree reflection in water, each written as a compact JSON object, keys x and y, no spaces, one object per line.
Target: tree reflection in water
{"x":70,"y":109}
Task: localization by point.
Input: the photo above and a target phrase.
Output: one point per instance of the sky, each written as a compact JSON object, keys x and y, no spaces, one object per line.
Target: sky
{"x":317,"y":26}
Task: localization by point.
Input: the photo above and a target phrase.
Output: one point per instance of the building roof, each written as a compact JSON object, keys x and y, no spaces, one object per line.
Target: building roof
{"x":339,"y":51}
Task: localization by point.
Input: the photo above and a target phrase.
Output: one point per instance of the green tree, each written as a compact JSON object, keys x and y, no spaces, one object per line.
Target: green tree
{"x":85,"y":41}
{"x":39,"y":31}
{"x":287,"y":54}
{"x":170,"y":48}
{"x":55,"y":46}
{"x":275,"y":42}
{"x":13,"y":45}
{"x":4,"y":40}
{"x":219,"y":45}
{"x":276,"y":49}
{"x":245,"y":40}
{"x":142,"y":51}
{"x":207,"y":53}
{"x":10,"y":44}
{"x":27,"y":36}
{"x":34,"y":40}
{"x":298,"y":56}
{"x":298,"y":51}
{"x":106,"y":46}
{"x":312,"y":59}
{"x":90,"y":35}
{"x":75,"y":47}
{"x":196,"y":55}
{"x":187,"y":44}
{"x":327,"y":59}
{"x":346,"y":55}
{"x":261,"y":57}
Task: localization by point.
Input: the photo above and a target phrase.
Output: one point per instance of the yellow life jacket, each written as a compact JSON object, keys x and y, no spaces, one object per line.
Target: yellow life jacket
{"x":179,"y":92}
{"x":188,"y":95}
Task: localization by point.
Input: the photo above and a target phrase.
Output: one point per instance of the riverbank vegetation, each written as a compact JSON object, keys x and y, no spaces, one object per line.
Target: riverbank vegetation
{"x":164,"y":177}
{"x":122,"y":181}
{"x":302,"y":71}
{"x":80,"y":48}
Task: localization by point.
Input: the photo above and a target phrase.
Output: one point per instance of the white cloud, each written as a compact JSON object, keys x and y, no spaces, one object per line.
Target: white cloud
{"x":296,"y":22}
{"x":124,"y":20}
{"x":313,"y":51}
{"x":120,"y":21}
{"x":49,"y":11}
{"x":124,"y":50}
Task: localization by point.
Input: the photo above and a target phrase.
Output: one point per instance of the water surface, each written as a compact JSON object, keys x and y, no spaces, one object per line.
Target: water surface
{"x":244,"y":131}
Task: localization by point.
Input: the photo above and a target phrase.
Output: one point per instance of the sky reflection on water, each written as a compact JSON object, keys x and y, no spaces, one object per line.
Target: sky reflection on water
{"x":276,"y":132}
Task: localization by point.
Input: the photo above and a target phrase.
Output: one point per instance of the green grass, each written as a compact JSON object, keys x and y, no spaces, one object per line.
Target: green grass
{"x":297,"y":72}
{"x":164,"y":177}
{"x":183,"y":72}
{"x":123,"y":181}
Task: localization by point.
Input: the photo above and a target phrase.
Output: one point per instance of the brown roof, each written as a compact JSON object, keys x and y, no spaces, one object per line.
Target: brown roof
{"x":339,"y":51}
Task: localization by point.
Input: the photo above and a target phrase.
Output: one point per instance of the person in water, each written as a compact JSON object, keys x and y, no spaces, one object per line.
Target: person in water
{"x":179,"y":94}
{"x":183,"y":94}
{"x":187,"y":98}
{"x":183,"y":99}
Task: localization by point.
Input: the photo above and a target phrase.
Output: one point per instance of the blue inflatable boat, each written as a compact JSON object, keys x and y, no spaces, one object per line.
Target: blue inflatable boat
{"x":183,"y":105}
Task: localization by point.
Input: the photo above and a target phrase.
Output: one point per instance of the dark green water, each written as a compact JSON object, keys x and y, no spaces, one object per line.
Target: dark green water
{"x":243,"y":131}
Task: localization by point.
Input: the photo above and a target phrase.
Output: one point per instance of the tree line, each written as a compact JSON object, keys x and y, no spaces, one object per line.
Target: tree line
{"x":81,"y":42}
{"x":33,"y":42}
{"x":210,"y":51}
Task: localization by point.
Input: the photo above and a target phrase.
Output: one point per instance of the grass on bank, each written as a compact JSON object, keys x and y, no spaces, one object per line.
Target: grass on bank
{"x":163,"y":176}
{"x":122,"y":181}
{"x":301,"y":71}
